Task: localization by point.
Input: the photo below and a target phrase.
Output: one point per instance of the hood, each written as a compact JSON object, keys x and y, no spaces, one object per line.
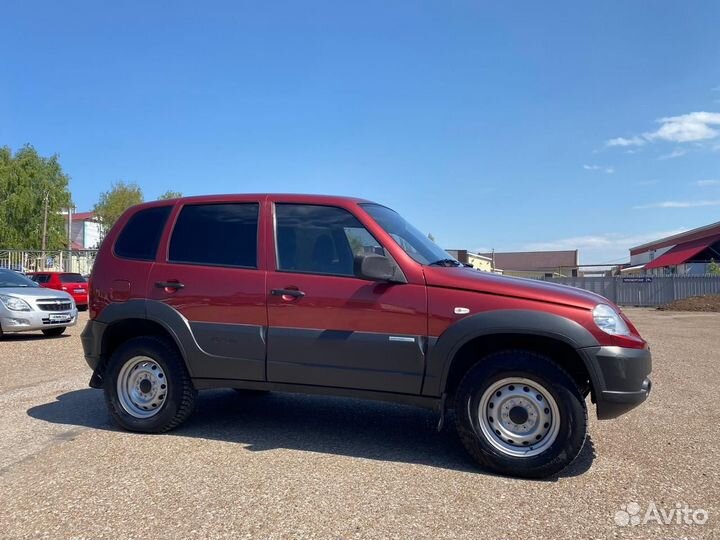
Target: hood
{"x":35,"y":293}
{"x":531,"y":289}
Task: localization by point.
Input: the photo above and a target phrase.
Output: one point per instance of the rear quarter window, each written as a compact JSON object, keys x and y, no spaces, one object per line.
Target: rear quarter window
{"x":140,"y":237}
{"x":216,"y":235}
{"x":71,"y":278}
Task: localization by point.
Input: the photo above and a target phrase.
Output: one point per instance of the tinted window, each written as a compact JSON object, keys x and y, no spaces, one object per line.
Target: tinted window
{"x":10,"y":278}
{"x":320,"y":239}
{"x":216,"y":234}
{"x":141,"y":235}
{"x":40,"y":278}
{"x":411,"y":240}
{"x":72,"y":278}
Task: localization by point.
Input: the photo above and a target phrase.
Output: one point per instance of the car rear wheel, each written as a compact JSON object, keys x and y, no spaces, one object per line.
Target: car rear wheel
{"x":147,"y":386}
{"x":54,"y":331}
{"x":518,"y":413}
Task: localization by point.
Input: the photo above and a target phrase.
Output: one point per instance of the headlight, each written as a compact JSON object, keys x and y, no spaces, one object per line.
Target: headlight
{"x":609,"y":320}
{"x":14,"y":304}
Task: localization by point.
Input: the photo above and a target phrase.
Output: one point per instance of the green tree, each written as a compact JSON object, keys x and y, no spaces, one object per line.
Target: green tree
{"x":170,"y":194}
{"x":115,"y":201}
{"x":713,"y":268}
{"x":26,"y":181}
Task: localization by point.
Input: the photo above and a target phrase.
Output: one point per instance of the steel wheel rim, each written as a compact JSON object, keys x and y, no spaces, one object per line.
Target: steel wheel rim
{"x":519,"y":417}
{"x":142,"y":387}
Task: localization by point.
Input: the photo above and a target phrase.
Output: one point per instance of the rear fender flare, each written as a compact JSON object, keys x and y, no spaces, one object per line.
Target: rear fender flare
{"x":167,"y":317}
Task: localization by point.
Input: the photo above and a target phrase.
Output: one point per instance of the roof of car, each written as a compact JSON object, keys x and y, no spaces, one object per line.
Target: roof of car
{"x":52,"y":272}
{"x":292,"y":197}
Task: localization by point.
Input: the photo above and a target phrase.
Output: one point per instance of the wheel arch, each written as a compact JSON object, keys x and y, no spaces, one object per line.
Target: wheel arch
{"x":467,"y":340}
{"x":137,"y":318}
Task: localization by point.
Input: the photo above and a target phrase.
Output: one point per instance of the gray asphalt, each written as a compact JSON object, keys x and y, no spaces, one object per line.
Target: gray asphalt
{"x":289,"y":466}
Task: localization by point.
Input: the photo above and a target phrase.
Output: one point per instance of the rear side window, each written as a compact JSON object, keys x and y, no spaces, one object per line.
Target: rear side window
{"x":71,"y":278}
{"x":216,"y":235}
{"x":141,"y":235}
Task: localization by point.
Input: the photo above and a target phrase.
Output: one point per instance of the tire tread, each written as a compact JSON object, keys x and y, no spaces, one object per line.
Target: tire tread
{"x":469,"y":438}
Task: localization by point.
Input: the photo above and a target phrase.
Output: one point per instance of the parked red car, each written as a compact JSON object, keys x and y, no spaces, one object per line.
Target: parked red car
{"x":70,"y":282}
{"x":340,"y":296}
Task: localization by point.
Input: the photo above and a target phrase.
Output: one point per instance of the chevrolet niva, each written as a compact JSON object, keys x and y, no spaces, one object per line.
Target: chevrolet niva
{"x":341,"y":296}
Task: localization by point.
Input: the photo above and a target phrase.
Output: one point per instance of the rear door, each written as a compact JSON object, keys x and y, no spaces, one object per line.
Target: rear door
{"x":212,"y":274}
{"x":326,"y":326}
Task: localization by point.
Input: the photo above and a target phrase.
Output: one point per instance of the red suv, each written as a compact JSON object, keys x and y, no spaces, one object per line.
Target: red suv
{"x":71,"y":282}
{"x":341,"y":296}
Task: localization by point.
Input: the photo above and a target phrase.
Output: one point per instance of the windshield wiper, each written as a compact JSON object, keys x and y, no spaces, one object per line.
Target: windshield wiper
{"x":445,"y":262}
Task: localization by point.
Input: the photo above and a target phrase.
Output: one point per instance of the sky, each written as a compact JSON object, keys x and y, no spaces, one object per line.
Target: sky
{"x":491,"y":125}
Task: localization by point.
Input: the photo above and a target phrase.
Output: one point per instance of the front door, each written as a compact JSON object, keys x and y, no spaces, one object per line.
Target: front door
{"x":330,"y":328}
{"x":212,"y":278}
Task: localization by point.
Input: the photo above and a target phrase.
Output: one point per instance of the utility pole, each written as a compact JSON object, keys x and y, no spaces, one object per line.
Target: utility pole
{"x":44,"y":235}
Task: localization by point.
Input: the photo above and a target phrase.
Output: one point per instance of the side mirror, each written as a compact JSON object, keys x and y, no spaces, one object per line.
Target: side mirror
{"x":374,"y":267}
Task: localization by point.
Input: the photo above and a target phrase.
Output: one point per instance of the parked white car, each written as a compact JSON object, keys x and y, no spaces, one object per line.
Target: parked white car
{"x":25,"y":306}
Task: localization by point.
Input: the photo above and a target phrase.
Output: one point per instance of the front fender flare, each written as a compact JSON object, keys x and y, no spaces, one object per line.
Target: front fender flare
{"x":442,"y":350}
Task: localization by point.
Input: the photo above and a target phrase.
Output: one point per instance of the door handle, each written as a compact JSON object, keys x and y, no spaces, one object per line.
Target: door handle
{"x":287,"y":292}
{"x":169,"y":285}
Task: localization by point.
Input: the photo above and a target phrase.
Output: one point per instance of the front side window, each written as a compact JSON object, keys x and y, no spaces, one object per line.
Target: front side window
{"x":411,"y":240}
{"x":141,"y":236}
{"x":216,"y":235}
{"x":320,"y":239}
{"x":40,"y":278}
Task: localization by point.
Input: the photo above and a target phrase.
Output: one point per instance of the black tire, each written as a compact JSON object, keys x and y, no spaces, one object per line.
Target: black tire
{"x":561,"y":386}
{"x":82,"y":308}
{"x":58,"y":330}
{"x":179,"y":401}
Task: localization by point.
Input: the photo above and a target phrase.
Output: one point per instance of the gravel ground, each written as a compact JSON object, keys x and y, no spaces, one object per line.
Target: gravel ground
{"x":288,"y":466}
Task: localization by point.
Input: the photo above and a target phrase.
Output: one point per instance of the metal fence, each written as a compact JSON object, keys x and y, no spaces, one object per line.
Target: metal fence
{"x":57,"y":260}
{"x":645,"y":290}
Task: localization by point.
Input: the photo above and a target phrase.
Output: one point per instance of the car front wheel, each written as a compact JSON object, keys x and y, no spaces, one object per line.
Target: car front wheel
{"x":147,"y":386}
{"x":518,"y":413}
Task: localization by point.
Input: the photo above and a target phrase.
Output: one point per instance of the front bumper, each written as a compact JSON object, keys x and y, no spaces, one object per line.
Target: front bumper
{"x":620,"y":378}
{"x":27,"y":321}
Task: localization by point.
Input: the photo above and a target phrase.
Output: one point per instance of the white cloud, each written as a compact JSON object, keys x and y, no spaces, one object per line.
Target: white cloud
{"x":679,"y":204}
{"x":695,"y":126}
{"x":606,"y":170}
{"x":691,"y":127}
{"x":622,"y":141}
{"x":706,"y":183}
{"x":678,"y":152}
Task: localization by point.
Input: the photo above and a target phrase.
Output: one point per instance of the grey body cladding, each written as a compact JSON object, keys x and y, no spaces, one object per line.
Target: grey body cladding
{"x":400,"y":368}
{"x":323,"y":358}
{"x":346,"y":359}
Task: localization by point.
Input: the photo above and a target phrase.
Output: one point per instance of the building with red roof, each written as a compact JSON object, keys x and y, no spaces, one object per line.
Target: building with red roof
{"x":687,"y":253}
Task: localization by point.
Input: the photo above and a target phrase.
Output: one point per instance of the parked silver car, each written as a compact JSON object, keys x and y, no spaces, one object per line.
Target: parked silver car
{"x":25,"y":306}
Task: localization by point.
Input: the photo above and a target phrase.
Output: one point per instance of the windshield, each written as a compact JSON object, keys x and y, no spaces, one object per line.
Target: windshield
{"x":412,"y":241}
{"x":8,"y":278}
